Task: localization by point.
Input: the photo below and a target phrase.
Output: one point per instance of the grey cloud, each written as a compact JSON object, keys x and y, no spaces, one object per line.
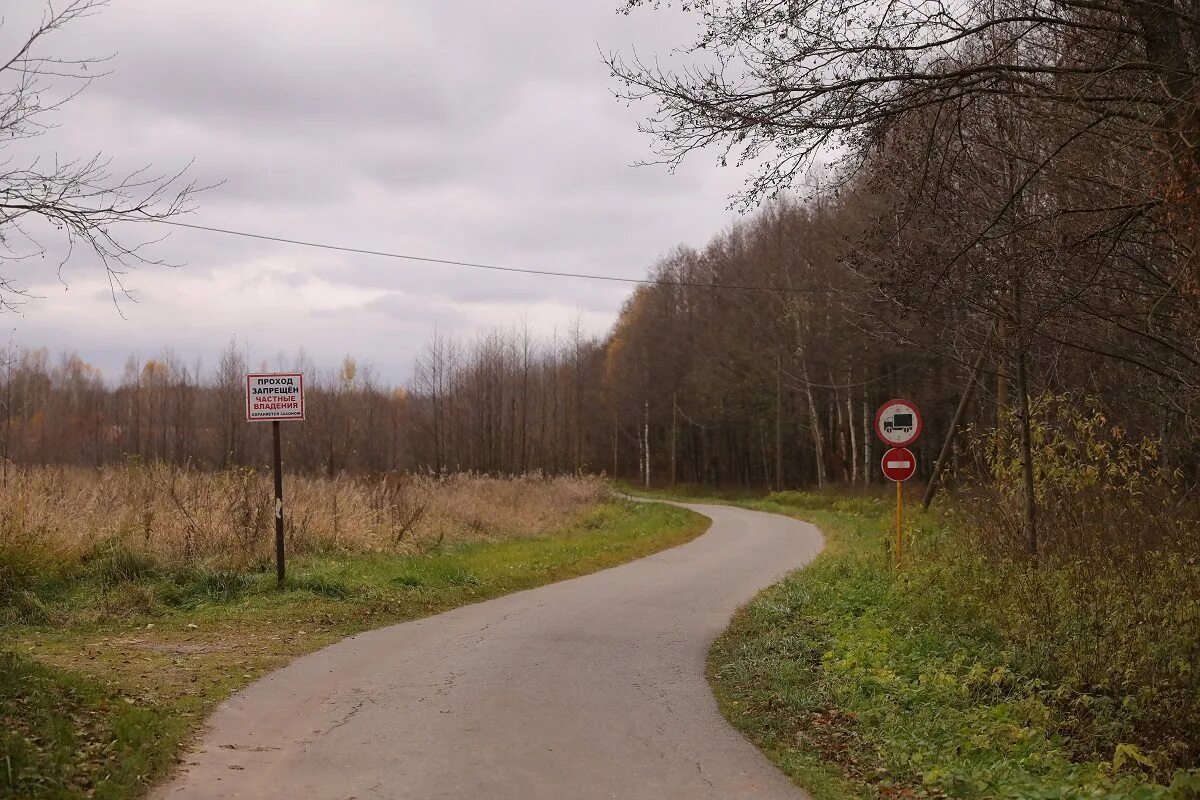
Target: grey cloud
{"x":470,"y":130}
{"x":415,"y":310}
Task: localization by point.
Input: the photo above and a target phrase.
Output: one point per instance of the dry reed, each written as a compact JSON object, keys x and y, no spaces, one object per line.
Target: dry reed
{"x":223,"y":519}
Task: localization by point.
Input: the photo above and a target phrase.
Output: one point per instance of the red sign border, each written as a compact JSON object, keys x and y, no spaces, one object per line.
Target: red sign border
{"x":250,"y":375}
{"x":883,"y":462}
{"x":916,"y":431}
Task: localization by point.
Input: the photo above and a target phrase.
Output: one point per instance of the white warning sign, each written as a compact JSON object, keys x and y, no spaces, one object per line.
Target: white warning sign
{"x":274,"y":396}
{"x":898,"y":423}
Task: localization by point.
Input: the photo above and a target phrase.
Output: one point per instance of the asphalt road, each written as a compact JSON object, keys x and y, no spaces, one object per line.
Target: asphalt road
{"x":589,"y":688}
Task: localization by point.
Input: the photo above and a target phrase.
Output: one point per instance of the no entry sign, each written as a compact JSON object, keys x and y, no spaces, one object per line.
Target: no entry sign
{"x":899,"y":464}
{"x":274,"y":396}
{"x":898,"y":423}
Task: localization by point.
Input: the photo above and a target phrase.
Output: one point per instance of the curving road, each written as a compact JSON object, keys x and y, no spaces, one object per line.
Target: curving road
{"x":589,"y":688}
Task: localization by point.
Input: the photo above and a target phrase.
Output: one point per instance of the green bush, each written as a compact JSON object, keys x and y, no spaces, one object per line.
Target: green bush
{"x":113,"y":564}
{"x":25,"y":574}
{"x":1109,"y":613}
{"x":19,"y":568}
{"x":321,"y":585}
{"x":1116,"y":646}
{"x":971,"y":672}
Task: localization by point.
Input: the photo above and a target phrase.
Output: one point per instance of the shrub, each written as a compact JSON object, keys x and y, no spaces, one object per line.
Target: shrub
{"x":320,"y":585}
{"x":1109,"y":615}
{"x":1099,"y":492}
{"x":113,"y":564}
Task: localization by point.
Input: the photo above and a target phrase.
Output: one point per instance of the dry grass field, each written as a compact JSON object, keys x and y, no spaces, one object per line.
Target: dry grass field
{"x":222,"y":520}
{"x":134,"y":599}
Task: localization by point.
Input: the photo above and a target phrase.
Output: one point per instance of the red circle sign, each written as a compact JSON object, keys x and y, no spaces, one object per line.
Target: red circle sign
{"x":899,"y":464}
{"x":898,"y":423}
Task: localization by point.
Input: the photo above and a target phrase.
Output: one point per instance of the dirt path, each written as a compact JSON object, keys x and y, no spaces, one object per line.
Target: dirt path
{"x":589,"y":688}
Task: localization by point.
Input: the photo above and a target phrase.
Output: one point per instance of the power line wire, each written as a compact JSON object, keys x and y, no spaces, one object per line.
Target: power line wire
{"x":492,"y":267}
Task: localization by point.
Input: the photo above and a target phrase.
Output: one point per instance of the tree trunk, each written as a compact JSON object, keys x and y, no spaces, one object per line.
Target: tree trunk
{"x":615,"y":431}
{"x":866,"y":437}
{"x":778,"y":424}
{"x":948,"y":443}
{"x":1030,"y":510}
{"x":850,"y":429}
{"x":814,"y":417}
{"x":646,"y":439}
{"x":673,"y":424}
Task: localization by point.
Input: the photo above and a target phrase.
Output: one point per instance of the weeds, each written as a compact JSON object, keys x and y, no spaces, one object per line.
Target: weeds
{"x":122,"y":521}
{"x":966,"y":674}
{"x":1110,"y":611}
{"x":95,"y":705}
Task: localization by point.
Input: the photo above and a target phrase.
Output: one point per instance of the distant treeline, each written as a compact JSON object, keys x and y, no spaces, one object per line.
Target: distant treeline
{"x":506,"y":402}
{"x":478,"y":415}
{"x":771,"y":384}
{"x":758,"y":360}
{"x":64,"y":411}
{"x":1019,"y":192}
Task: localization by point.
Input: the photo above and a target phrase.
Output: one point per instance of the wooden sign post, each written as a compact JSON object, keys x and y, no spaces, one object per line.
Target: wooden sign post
{"x":274,"y":397}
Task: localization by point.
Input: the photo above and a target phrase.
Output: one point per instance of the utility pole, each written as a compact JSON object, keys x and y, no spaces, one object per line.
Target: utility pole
{"x":674,"y":411}
{"x":646,"y":438}
{"x":866,"y":436}
{"x":778,"y":423}
{"x":615,"y":429}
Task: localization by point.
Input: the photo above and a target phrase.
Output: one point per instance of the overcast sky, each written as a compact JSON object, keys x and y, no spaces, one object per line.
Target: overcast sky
{"x":469,"y":130}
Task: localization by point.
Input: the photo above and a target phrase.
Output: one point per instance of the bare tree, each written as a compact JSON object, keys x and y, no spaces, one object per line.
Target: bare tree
{"x":1036,"y":162}
{"x":783,"y":81}
{"x":83,"y":199}
{"x":229,"y":411}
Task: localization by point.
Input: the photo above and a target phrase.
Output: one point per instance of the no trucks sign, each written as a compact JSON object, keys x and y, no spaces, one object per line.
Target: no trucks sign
{"x":898,"y":423}
{"x":274,"y":396}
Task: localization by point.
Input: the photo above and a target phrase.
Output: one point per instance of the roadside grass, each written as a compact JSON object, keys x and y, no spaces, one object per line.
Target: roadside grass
{"x":127,"y":659}
{"x":144,"y":516}
{"x":697,"y":493}
{"x":863,"y":682}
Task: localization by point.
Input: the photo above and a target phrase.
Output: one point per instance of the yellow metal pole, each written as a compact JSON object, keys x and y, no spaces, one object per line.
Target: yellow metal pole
{"x":899,"y":520}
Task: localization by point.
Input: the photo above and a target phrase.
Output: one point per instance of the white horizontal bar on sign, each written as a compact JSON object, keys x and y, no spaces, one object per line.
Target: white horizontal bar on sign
{"x":899,"y":464}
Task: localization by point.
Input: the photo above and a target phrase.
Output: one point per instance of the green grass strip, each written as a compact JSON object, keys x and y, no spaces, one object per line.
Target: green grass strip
{"x":97,"y":703}
{"x":859,"y":681}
